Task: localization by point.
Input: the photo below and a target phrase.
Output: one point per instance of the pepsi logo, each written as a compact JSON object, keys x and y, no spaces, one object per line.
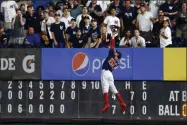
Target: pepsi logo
{"x":80,"y":64}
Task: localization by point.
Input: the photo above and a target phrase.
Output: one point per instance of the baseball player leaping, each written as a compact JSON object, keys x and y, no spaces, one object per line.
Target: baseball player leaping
{"x":107,"y":80}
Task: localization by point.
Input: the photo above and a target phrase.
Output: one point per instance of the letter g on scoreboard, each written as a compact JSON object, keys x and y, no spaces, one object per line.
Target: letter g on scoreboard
{"x":20,"y":64}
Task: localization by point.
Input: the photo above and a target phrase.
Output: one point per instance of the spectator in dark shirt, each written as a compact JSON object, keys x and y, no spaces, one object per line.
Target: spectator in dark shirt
{"x":32,"y":38}
{"x":95,"y":11}
{"x":156,"y":30}
{"x":39,"y":13}
{"x":94,"y":35}
{"x":78,"y":40}
{"x":32,"y":20}
{"x":128,"y":17}
{"x":86,"y":27}
{"x":116,"y":4}
{"x":3,"y":38}
{"x":181,"y":22}
{"x":105,"y":38}
{"x":71,"y":30}
{"x":169,"y":9}
{"x":58,"y":32}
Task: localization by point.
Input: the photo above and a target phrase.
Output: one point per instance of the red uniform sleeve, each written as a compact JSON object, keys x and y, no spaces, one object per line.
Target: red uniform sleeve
{"x":112,"y":43}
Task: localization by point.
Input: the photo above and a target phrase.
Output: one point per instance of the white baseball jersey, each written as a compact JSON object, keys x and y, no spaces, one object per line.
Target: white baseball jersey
{"x":46,"y":25}
{"x":165,"y":42}
{"x":9,"y":10}
{"x":109,"y":21}
{"x":66,"y":21}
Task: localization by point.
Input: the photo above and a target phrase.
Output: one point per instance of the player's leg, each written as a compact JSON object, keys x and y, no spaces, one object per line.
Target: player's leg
{"x":105,"y":88}
{"x":113,"y":89}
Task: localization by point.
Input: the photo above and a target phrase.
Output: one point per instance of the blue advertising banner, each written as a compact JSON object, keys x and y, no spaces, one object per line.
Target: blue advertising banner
{"x":86,"y":64}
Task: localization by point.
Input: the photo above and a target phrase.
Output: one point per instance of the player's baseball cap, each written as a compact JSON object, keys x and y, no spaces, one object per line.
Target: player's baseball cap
{"x":119,"y":54}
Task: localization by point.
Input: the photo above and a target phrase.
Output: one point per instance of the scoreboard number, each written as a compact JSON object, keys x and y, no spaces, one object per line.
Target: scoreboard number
{"x":61,"y":108}
{"x":20,"y":108}
{"x":9,"y":95}
{"x":52,"y":95}
{"x":41,"y":95}
{"x":30,"y":108}
{"x":132,"y":110}
{"x":144,"y":96}
{"x":144,"y":110}
{"x":51,"y":108}
{"x":9,"y":84}
{"x":9,"y":108}
{"x":83,"y":84}
{"x":20,"y":95}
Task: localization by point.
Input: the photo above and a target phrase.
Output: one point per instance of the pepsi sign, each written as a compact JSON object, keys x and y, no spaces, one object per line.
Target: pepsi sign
{"x":82,"y":64}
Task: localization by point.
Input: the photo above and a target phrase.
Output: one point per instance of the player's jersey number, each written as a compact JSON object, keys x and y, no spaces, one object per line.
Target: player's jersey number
{"x":112,"y":62}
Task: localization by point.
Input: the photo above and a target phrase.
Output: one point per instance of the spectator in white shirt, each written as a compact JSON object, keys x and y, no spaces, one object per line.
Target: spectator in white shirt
{"x":46,"y":26}
{"x":126,"y":41}
{"x":137,"y":41}
{"x":66,"y":18}
{"x":165,"y":35}
{"x":112,"y":20}
{"x":144,"y":23}
{"x":80,"y":18}
{"x":8,"y":8}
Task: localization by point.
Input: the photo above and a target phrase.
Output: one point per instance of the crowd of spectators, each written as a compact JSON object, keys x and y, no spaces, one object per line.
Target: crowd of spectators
{"x":92,"y":23}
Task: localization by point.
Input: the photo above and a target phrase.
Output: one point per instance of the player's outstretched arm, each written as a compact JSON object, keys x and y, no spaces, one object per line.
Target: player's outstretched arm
{"x":112,"y":42}
{"x":112,"y":46}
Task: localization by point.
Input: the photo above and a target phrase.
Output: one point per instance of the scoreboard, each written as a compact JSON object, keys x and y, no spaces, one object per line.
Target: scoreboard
{"x":146,"y":100}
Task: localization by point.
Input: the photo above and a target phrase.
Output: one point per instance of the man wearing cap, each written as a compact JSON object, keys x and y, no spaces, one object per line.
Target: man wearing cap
{"x":71,"y":30}
{"x":58,"y":32}
{"x":46,"y":26}
{"x":32,"y":20}
{"x":145,"y":24}
{"x":94,"y":35}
